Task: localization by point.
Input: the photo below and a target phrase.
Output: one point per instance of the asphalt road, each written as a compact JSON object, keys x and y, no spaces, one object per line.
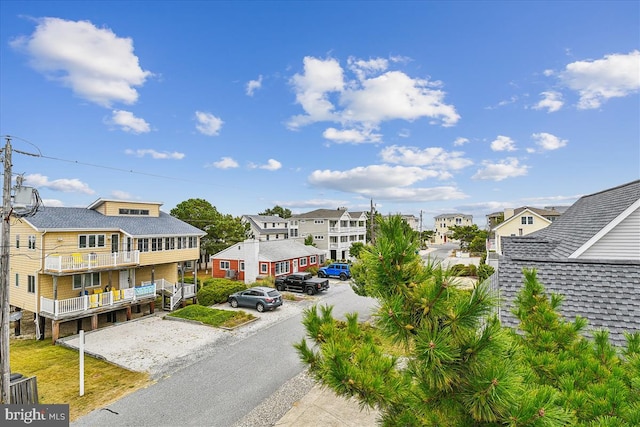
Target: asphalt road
{"x":228,"y":383}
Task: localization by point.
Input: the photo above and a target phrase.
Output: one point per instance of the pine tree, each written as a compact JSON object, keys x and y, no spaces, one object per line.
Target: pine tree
{"x":458,"y":367}
{"x":598,"y":382}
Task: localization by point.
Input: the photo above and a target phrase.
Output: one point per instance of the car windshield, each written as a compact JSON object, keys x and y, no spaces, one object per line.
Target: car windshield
{"x":273,"y":293}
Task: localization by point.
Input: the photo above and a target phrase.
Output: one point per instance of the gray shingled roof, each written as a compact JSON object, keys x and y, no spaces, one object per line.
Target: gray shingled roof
{"x":63,"y":218}
{"x":605,"y":292}
{"x":586,"y":217}
{"x":322,"y":214}
{"x":258,"y":220}
{"x":279,"y":250}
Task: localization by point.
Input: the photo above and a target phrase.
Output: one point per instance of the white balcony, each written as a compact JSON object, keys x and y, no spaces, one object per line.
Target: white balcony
{"x":87,"y":261}
{"x":86,"y":304}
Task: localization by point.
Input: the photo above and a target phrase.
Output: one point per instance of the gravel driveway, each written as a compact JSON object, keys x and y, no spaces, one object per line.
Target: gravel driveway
{"x":158,"y":344}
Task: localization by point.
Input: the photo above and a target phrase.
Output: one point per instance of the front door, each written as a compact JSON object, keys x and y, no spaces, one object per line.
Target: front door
{"x":124,"y":281}
{"x":295,"y":265}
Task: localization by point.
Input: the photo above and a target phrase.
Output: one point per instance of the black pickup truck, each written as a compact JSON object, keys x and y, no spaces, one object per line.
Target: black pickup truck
{"x":302,"y":282}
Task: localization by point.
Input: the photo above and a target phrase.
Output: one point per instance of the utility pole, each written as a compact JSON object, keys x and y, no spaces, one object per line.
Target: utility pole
{"x":371,"y":221}
{"x":4,"y":276}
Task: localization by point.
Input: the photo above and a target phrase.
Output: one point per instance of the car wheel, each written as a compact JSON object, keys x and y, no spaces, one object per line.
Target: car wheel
{"x":310,"y":291}
{"x":279,"y":287}
{"x":343,"y":277}
{"x":234,"y":303}
{"x":321,"y":275}
{"x":260,"y":307}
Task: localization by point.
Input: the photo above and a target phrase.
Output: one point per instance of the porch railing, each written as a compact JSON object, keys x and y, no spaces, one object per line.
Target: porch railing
{"x":174,"y":290}
{"x":84,"y":261}
{"x":87,"y":303}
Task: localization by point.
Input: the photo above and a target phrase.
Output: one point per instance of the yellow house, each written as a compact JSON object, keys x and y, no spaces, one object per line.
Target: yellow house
{"x":520,"y":222}
{"x":68,"y":264}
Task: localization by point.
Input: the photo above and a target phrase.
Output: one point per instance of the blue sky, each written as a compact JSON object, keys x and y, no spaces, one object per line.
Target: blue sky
{"x":422,"y":107}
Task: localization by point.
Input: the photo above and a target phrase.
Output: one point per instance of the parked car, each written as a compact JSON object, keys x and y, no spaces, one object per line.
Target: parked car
{"x":337,"y":269}
{"x":301,"y":282}
{"x":260,"y":297}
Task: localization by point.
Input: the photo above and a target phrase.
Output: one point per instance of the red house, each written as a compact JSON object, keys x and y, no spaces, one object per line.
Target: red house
{"x":251,"y":259}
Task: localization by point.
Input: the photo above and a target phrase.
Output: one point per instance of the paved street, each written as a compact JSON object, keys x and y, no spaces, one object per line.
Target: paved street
{"x":230,"y":377}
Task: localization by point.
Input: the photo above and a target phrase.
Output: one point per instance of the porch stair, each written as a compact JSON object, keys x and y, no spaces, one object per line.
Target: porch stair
{"x":173,"y":294}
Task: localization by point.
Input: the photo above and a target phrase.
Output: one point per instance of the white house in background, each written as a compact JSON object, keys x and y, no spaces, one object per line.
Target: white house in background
{"x":267,"y":227}
{"x":442,"y":233}
{"x":332,"y":230}
{"x":520,"y":222}
{"x":252,"y":258}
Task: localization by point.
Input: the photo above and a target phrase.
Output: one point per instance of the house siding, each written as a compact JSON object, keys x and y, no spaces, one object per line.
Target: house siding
{"x":112,"y":208}
{"x":513,"y":225}
{"x":621,"y":242}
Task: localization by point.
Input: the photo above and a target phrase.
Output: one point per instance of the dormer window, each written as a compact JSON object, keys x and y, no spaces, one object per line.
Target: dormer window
{"x":125,"y":211}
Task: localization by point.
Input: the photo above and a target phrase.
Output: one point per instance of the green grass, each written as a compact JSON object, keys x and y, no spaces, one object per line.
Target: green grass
{"x":58,"y":369}
{"x":213,"y":316}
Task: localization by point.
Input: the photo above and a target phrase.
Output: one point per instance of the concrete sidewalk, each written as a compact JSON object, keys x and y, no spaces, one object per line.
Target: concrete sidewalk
{"x":321,"y":407}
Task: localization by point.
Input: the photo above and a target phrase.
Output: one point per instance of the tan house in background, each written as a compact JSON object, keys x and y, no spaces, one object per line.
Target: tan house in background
{"x":71,"y":264}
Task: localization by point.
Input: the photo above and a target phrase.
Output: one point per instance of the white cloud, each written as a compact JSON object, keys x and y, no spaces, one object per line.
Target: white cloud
{"x":432,"y":156}
{"x":504,"y":169}
{"x":65,"y":185}
{"x":551,"y":100}
{"x":271,"y":165}
{"x":548,"y":142}
{"x":369,"y":178}
{"x":94,"y":62}
{"x":129,"y":123}
{"x":353,"y":136}
{"x":374,"y":95}
{"x":254,"y":85}
{"x":384,"y":182}
{"x":503,"y":143}
{"x":460,"y":141}
{"x":54,"y":203}
{"x":122,"y":195}
{"x":312,"y":203}
{"x":155,"y":154}
{"x":615,"y":75}
{"x":225,"y":163}
{"x":208,"y":124}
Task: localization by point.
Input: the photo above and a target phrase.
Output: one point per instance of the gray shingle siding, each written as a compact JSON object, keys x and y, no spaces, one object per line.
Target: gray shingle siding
{"x":78,"y":219}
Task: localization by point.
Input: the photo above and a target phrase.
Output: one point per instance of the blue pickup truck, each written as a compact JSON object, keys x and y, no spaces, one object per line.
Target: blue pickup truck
{"x":337,"y":269}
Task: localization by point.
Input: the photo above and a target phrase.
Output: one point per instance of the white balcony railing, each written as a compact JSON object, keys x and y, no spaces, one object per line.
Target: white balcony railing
{"x":88,"y":303}
{"x":85,"y":261}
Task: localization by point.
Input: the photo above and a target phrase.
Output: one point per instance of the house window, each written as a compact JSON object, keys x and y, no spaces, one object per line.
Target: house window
{"x":32,"y":242}
{"x":241,"y":265}
{"x":225,"y":265}
{"x":264,"y":268}
{"x":193,"y":242}
{"x":31,"y":284}
{"x":143,"y":245}
{"x":527,"y":220}
{"x":294,"y":232}
{"x":91,"y":241}
{"x":17,"y":241}
{"x":182,"y":242}
{"x":156,"y":244}
{"x":312,"y":259}
{"x":282,"y":267}
{"x":91,"y":280}
{"x":17,"y":280}
{"x":169,"y":243}
{"x":303,"y":262}
{"x":520,"y":232}
{"x":318,"y":221}
{"x":318,"y":237}
{"x":133,"y":211}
